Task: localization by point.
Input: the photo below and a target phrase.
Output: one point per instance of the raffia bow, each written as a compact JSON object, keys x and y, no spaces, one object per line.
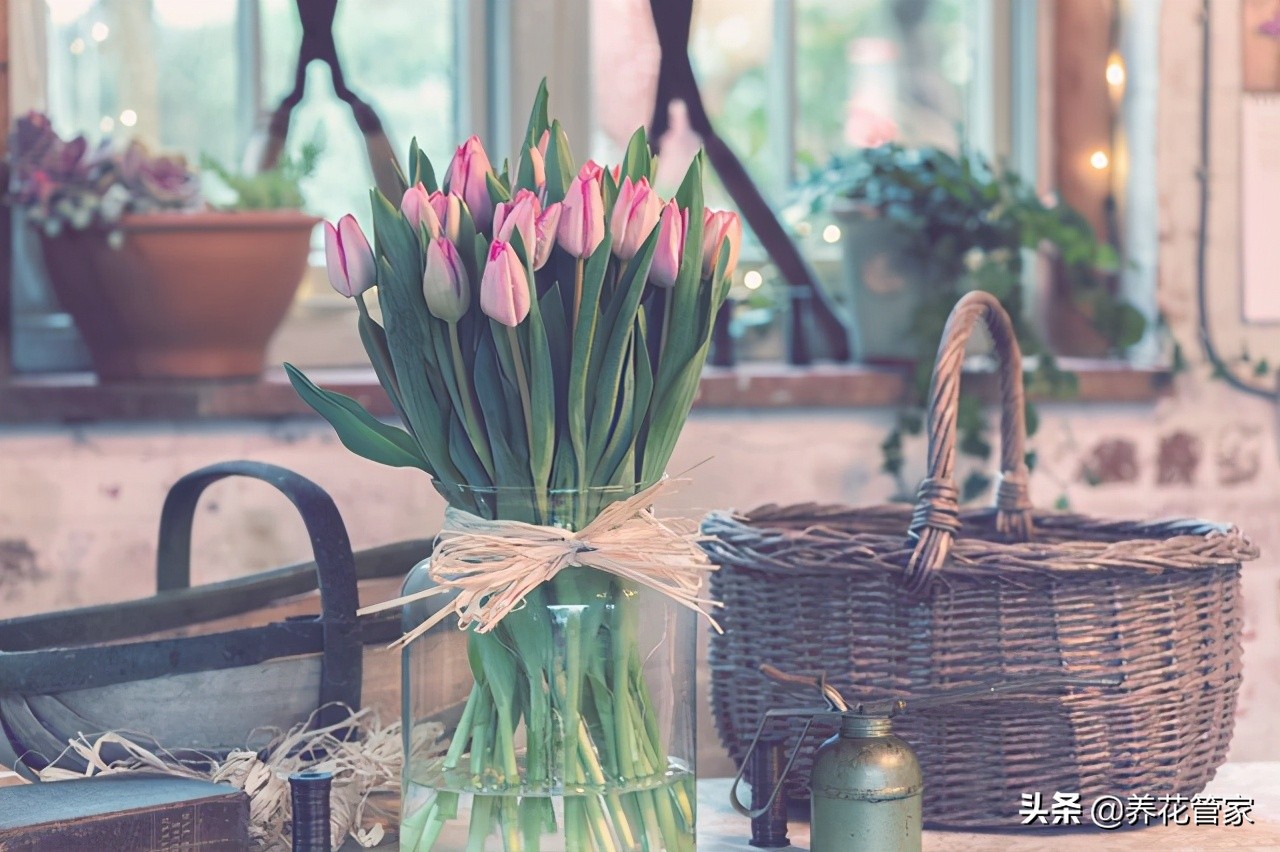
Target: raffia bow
{"x":492,"y":565}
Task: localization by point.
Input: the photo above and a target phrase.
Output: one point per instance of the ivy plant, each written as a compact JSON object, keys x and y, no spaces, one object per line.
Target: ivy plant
{"x":975,"y":225}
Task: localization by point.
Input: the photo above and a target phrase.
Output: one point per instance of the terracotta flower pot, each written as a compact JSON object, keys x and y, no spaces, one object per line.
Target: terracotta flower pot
{"x":187,"y":295}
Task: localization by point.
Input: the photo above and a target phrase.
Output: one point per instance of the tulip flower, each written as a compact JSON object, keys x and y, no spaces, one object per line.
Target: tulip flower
{"x":581,"y":226}
{"x":348,"y":257}
{"x":719,"y":227}
{"x":467,"y":178}
{"x":519,"y":214}
{"x":444,"y":283}
{"x":591,"y":169}
{"x":417,"y":208}
{"x":635,"y":214}
{"x":448,"y":211}
{"x":504,"y":287}
{"x":536,"y":224}
{"x":545,"y":227}
{"x":672,"y":229}
{"x":538,"y":162}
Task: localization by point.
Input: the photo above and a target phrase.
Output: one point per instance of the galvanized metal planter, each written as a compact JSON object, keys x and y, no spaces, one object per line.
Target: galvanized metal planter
{"x":167,"y":671}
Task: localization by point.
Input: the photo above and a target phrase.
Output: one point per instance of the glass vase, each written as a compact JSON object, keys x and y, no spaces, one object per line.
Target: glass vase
{"x":569,"y":727}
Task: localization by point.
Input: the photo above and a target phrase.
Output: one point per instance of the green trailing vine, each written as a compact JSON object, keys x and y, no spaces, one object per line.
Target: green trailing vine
{"x":975,"y":226}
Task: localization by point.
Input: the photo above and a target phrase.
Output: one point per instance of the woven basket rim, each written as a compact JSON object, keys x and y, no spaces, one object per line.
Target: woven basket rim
{"x":771,"y":537}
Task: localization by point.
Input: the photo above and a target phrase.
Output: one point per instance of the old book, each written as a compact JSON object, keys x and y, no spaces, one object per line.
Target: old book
{"x":124,"y":814}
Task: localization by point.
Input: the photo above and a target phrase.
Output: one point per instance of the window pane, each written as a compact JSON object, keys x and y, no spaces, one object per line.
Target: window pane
{"x":788,"y":84}
{"x":193,"y":76}
{"x":868,"y":71}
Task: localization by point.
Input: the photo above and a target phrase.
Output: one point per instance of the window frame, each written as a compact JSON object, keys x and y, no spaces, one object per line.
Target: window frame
{"x":494,"y":76}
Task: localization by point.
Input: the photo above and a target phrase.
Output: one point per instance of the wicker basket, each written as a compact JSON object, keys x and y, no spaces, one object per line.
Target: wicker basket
{"x":892,"y":603}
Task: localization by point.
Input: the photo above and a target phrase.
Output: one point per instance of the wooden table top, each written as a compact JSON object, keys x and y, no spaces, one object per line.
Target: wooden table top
{"x":720,"y":829}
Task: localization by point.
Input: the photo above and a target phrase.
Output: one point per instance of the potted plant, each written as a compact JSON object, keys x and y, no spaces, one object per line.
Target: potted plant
{"x":156,"y":278}
{"x":920,"y":227}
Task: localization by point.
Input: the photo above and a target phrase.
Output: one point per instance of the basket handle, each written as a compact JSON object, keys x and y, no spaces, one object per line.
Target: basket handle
{"x":937,"y":514}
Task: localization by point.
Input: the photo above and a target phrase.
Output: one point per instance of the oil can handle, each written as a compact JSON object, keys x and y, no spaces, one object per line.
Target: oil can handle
{"x":811,"y":713}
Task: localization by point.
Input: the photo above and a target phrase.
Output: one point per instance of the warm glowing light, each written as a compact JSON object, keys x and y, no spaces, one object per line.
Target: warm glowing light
{"x":831,"y":233}
{"x":100,"y":31}
{"x":106,"y":124}
{"x":1099,"y":160}
{"x":128,"y":118}
{"x":803,"y":229}
{"x":77,"y":46}
{"x":752,"y":280}
{"x":1115,"y":71}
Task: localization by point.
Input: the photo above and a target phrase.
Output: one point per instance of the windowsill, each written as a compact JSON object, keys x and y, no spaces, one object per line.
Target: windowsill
{"x":78,"y":398}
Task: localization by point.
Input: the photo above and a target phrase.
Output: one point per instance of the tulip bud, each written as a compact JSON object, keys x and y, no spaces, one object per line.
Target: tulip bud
{"x":417,"y":207}
{"x":444,"y":283}
{"x":448,"y":211}
{"x":545,"y":227}
{"x":348,"y":257}
{"x":519,"y":214}
{"x":467,"y":178}
{"x":672,"y":230}
{"x":543,"y":141}
{"x":504,"y":287}
{"x":635,"y":214}
{"x":538,"y":162}
{"x":719,"y":227}
{"x":581,"y":226}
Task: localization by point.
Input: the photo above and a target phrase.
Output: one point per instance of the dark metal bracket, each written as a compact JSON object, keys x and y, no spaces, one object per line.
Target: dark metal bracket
{"x":341,"y":665}
{"x":810,"y":309}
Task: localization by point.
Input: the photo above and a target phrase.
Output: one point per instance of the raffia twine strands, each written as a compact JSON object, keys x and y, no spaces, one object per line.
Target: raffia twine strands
{"x":492,"y":565}
{"x":366,"y":763}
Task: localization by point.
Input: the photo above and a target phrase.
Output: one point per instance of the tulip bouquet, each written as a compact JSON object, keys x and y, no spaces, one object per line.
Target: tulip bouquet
{"x":543,"y":332}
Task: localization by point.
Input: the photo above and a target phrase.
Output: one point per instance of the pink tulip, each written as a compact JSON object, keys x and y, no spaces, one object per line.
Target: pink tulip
{"x":467,"y":178}
{"x":444,"y":283}
{"x":635,"y":214}
{"x":592,"y":169}
{"x":518,"y":214}
{"x":719,"y":227}
{"x":546,"y":227}
{"x":581,"y":226}
{"x":672,"y":228}
{"x":348,"y":257}
{"x":417,"y":208}
{"x":504,"y":287}
{"x":448,"y":211}
{"x":535,"y":224}
{"x":538,"y":162}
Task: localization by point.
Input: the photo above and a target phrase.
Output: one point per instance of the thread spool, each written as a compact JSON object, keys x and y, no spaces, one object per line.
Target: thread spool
{"x":769,"y":830}
{"x":310,"y":795}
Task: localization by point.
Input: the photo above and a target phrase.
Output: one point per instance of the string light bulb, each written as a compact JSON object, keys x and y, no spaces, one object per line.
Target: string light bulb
{"x":1099,"y":159}
{"x":752,"y":280}
{"x":1115,"y":70}
{"x":831,"y":233}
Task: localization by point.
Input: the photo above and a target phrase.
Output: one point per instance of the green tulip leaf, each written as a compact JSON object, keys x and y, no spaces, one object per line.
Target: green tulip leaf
{"x":636,"y":161}
{"x":359,"y":431}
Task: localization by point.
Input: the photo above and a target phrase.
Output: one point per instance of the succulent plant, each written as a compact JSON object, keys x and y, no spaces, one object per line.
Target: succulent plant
{"x":66,"y":184}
